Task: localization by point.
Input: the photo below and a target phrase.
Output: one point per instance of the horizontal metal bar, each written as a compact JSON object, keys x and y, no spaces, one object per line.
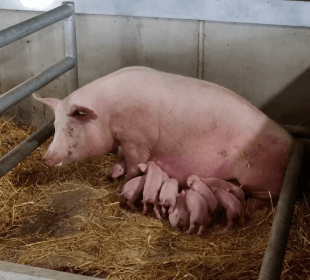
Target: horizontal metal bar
{"x":33,"y":84}
{"x":298,"y":131}
{"x":287,"y":13}
{"x":25,"y":28}
{"x":12,"y":158}
{"x":274,"y":255}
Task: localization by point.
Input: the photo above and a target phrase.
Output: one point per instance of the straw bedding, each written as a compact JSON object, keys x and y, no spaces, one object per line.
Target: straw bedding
{"x":70,"y":218}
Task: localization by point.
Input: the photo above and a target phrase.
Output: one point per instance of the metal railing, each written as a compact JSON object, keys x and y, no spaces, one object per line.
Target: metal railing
{"x":68,"y":65}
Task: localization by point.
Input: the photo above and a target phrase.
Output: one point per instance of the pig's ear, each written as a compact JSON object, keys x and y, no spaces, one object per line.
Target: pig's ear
{"x":189,"y":181}
{"x":81,"y":111}
{"x":143,"y":167}
{"x":51,"y":102}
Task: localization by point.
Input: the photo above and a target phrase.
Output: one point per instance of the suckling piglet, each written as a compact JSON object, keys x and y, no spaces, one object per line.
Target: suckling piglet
{"x":133,"y":189}
{"x":219,"y":183}
{"x":118,"y":169}
{"x":153,"y":182}
{"x":195,"y":183}
{"x":167,"y":196}
{"x":179,"y":218}
{"x":233,"y":207}
{"x":197,"y":207}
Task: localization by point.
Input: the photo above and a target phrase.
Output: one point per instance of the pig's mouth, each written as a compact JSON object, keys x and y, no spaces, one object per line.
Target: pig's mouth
{"x":52,"y":163}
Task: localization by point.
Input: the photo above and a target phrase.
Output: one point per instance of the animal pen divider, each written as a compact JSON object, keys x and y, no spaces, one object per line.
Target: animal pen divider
{"x":68,"y":65}
{"x":274,"y":255}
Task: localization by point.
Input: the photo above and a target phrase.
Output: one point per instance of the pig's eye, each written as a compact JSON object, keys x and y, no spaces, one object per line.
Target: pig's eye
{"x":78,"y":113}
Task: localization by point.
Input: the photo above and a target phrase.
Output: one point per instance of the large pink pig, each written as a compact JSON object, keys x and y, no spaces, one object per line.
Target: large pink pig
{"x":132,"y":190}
{"x":197,"y":206}
{"x":219,"y":183}
{"x":191,"y":126}
{"x":153,"y":182}
{"x":168,"y":196}
{"x":197,"y":185}
{"x":179,"y":218}
{"x":233,"y":207}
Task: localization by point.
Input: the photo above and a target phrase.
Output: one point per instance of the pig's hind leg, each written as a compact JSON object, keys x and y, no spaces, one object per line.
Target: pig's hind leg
{"x":202,"y":230}
{"x":230,"y":216}
{"x":192,"y":226}
{"x":131,"y":205}
{"x":157,"y":210}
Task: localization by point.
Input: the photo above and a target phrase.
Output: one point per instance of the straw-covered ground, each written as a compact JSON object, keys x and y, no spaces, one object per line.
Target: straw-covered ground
{"x":70,"y":218}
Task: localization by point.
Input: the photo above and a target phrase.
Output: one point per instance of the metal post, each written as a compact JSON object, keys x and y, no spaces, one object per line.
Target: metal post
{"x":274,"y":255}
{"x":70,"y":49}
{"x":33,"y":84}
{"x":200,"y":49}
{"x":25,"y":28}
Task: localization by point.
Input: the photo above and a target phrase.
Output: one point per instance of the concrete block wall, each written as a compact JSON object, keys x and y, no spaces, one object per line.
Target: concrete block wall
{"x":267,"y":65}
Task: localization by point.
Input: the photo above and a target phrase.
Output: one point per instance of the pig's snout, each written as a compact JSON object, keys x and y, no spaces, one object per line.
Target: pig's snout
{"x":48,"y":161}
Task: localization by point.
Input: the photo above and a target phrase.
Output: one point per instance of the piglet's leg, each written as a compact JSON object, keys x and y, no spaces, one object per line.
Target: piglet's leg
{"x":136,"y":194}
{"x":240,"y":220}
{"x":164,"y":211}
{"x":202,"y":230}
{"x":131,"y":205}
{"x":157,"y":211}
{"x":144,"y":208}
{"x":230,"y":222}
{"x":191,"y":229}
{"x":192,"y":225}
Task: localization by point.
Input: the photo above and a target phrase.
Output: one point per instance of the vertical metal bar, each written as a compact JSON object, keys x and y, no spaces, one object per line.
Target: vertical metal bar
{"x":200,"y":49}
{"x":274,"y":255}
{"x":70,"y":49}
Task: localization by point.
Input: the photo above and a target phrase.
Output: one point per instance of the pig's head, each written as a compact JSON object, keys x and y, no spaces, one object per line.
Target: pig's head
{"x":179,"y":218}
{"x":118,"y":170}
{"x":191,"y":180}
{"x":78,"y":133}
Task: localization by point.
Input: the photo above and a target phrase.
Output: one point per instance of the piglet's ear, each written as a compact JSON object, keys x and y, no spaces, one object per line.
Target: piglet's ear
{"x":143,"y":167}
{"x":77,"y":111}
{"x":189,"y":180}
{"x":51,"y":102}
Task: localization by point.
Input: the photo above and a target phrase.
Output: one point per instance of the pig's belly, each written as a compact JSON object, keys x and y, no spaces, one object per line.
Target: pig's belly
{"x":258,"y":163}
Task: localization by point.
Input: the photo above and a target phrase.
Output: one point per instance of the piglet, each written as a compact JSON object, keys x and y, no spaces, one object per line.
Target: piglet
{"x":133,"y":189}
{"x":197,"y":206}
{"x":167,"y":196}
{"x":153,"y":182}
{"x":119,"y":168}
{"x":219,"y":183}
{"x":232,"y":205}
{"x":179,"y":218}
{"x":197,"y":185}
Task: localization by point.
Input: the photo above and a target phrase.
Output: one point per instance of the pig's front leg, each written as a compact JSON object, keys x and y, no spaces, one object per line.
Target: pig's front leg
{"x":133,"y":157}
